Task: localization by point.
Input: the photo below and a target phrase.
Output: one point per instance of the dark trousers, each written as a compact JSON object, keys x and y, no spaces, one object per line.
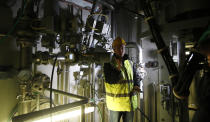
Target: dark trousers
{"x":116,"y":115}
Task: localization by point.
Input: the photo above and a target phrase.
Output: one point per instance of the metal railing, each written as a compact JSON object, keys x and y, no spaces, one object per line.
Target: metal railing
{"x":48,"y":112}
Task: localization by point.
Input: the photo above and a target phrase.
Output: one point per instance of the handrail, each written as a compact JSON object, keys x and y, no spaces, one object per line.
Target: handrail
{"x":48,"y":112}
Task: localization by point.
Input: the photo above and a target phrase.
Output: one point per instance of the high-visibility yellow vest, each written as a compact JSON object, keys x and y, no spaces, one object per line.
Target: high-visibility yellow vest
{"x":119,"y":96}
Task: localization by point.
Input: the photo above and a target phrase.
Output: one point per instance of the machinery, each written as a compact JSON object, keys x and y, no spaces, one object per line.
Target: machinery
{"x":53,"y":51}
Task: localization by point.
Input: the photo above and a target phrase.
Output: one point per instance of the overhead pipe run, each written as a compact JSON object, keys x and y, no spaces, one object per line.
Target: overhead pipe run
{"x":162,"y":48}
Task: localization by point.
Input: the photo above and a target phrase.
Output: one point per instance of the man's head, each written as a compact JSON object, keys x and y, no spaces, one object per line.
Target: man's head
{"x":119,"y":46}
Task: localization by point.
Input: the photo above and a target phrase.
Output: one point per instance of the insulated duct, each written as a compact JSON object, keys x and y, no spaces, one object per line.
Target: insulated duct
{"x":181,"y":89}
{"x":162,"y":48}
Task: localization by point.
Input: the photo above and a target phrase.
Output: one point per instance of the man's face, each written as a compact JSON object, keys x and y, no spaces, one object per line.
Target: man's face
{"x":119,"y":50}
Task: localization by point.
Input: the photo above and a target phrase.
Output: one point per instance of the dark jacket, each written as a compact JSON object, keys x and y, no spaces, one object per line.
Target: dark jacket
{"x":112,"y":75}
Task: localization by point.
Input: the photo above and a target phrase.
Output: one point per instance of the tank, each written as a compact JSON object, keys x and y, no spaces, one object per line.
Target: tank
{"x":9,"y":87}
{"x":8,"y":93}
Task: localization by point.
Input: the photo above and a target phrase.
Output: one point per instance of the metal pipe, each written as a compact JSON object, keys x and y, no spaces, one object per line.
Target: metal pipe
{"x":38,"y":102}
{"x":66,"y":82}
{"x":91,"y":79}
{"x":34,"y":68}
{"x":74,"y":96}
{"x":82,"y":113}
{"x":155,"y":96}
{"x":56,"y":96}
{"x":62,"y":82}
{"x":47,"y":112}
{"x":90,"y":89}
{"x":25,"y":57}
{"x":103,"y":105}
{"x":93,"y":88}
{"x":24,"y":107}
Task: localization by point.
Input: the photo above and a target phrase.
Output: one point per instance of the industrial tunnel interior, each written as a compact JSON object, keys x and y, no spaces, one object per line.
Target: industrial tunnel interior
{"x":52,"y":56}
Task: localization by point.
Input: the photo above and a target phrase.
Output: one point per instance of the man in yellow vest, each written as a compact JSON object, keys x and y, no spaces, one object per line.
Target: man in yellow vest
{"x":121,"y":84}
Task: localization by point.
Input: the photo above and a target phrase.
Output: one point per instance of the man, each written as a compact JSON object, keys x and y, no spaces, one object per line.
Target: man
{"x":203,"y":112}
{"x":121,"y":84}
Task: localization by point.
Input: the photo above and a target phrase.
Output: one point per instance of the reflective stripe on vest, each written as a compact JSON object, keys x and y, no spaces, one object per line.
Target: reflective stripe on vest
{"x":119,"y":96}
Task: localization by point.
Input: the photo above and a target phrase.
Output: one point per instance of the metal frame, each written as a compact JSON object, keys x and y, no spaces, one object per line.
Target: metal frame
{"x":47,"y":112}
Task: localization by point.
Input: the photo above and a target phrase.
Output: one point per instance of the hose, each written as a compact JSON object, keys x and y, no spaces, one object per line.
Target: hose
{"x":51,"y":81}
{"x":99,"y":110}
{"x":14,"y":110}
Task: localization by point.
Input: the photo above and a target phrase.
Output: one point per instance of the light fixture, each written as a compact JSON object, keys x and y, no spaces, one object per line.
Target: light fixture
{"x":65,"y":115}
{"x":187,"y":53}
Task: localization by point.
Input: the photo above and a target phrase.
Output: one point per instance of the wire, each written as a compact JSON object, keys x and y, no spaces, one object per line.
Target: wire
{"x":204,"y":35}
{"x":14,"y":26}
{"x":51,"y":81}
{"x":100,"y":113}
{"x":144,"y":114}
{"x":14,"y":110}
{"x":99,"y":110}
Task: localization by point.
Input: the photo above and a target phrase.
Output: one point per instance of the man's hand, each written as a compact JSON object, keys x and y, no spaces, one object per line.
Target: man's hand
{"x":136,"y":88}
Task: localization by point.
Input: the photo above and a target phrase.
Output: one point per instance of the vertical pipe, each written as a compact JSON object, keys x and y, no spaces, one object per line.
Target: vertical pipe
{"x":143,"y":106}
{"x":103,"y":104}
{"x":56,"y":96}
{"x":25,"y":57}
{"x":82,"y":113}
{"x":85,"y":94}
{"x":24,"y":106}
{"x":25,"y":62}
{"x":62,"y":82}
{"x":49,"y":12}
{"x":155,"y":96}
{"x":192,"y":100}
{"x":138,"y":112}
{"x":67,"y":71}
{"x":34,"y":68}
{"x":38,"y":102}
{"x":93,"y":87}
